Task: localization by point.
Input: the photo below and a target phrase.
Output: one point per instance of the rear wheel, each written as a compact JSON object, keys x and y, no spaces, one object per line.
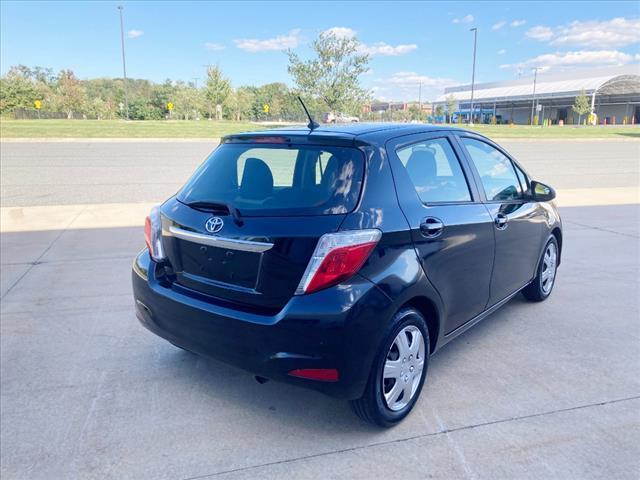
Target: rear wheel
{"x":542,"y":285}
{"x":398,"y":372}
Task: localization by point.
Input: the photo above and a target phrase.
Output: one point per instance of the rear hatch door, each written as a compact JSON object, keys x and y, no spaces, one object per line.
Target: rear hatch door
{"x":244,"y":227}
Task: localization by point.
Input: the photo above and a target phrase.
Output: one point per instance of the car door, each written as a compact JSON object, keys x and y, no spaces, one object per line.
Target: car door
{"x":518,"y":221}
{"x":450,"y":227}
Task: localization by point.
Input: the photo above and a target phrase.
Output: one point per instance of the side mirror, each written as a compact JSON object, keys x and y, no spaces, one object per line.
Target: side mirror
{"x":541,"y":192}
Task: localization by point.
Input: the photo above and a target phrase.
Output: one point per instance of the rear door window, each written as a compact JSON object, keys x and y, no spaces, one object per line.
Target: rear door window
{"x":279,"y":180}
{"x":435,"y":171}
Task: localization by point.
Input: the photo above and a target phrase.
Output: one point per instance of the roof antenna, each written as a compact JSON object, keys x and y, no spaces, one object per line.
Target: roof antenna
{"x":312,"y":123}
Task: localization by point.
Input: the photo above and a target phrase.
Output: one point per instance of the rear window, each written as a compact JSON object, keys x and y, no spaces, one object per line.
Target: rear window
{"x":279,"y":180}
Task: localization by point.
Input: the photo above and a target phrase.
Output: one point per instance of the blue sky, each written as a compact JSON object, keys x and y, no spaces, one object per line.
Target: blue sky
{"x":409,"y":42}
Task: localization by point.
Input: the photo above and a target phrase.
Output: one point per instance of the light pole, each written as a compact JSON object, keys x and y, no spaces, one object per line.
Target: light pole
{"x":533,"y":97}
{"x":124,"y":65}
{"x":473,"y":72}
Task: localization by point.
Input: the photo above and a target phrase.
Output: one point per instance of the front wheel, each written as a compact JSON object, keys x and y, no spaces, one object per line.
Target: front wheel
{"x":398,"y":371}
{"x":541,"y":286}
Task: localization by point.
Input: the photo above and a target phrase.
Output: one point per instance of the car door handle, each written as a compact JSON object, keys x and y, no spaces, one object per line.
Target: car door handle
{"x":431,"y":227}
{"x":501,"y":221}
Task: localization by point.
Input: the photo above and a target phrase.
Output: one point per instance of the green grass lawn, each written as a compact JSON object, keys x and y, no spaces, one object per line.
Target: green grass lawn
{"x":216,"y":129}
{"x":122,"y":129}
{"x":567,"y":131}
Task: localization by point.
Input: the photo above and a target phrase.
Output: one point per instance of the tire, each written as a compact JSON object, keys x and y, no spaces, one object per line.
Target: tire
{"x":373,"y":407}
{"x":540,"y":288}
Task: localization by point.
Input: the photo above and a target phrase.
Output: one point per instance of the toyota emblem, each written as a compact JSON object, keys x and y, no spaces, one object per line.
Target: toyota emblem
{"x":214,"y":225}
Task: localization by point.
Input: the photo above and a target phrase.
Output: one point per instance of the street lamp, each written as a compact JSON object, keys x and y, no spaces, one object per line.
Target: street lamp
{"x":124,"y":65}
{"x":473,"y":72}
{"x":533,"y":97}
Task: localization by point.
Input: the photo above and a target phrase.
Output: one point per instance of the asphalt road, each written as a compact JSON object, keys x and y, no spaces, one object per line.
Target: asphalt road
{"x":548,"y":390}
{"x":89,"y":172}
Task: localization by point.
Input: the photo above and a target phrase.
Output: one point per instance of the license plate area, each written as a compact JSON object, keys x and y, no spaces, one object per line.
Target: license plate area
{"x":234,"y":267}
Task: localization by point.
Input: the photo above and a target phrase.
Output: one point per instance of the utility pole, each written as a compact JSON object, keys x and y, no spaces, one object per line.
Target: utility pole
{"x":420,"y":96}
{"x":473,"y":72}
{"x":533,"y":97}
{"x":124,"y":65}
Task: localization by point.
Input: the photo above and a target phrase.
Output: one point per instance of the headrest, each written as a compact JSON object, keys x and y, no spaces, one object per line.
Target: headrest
{"x":422,"y":167}
{"x":257,"y":180}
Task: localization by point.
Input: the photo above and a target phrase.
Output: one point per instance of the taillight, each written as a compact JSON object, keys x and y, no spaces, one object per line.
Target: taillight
{"x":153,"y":234}
{"x":336,"y":258}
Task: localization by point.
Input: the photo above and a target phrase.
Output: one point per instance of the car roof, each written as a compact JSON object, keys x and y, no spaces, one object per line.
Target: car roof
{"x":374,"y":132}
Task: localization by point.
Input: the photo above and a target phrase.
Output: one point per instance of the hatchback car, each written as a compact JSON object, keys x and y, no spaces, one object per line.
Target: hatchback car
{"x":342,"y":258}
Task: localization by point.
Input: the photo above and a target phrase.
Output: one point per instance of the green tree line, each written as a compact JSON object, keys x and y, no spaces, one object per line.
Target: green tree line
{"x":103,"y":98}
{"x":329,"y":81}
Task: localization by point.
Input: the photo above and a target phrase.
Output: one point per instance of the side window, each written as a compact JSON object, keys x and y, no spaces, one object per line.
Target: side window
{"x":435,"y":171}
{"x":523,"y":179}
{"x":495,"y":169}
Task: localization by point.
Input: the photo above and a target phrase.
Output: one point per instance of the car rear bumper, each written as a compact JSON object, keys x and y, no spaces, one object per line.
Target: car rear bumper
{"x":339,"y":328}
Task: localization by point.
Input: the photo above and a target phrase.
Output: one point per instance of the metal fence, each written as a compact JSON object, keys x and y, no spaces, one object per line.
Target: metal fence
{"x":31,"y":114}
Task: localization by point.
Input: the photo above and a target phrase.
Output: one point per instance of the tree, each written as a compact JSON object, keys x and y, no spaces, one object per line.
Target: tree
{"x":439,"y":112}
{"x":581,"y":105}
{"x":414,"y":112}
{"x":333,"y":75}
{"x":141,"y":109}
{"x":99,"y":109}
{"x":240,"y":103}
{"x":217,"y":89}
{"x":70,"y":95}
{"x":188,"y":102}
{"x":451,"y":106}
{"x":16,"y":91}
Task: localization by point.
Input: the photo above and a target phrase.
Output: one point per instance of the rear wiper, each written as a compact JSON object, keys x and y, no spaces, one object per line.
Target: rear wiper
{"x":217,"y":207}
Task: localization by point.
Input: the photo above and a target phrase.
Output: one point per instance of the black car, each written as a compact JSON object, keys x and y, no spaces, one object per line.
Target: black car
{"x":341,"y":258}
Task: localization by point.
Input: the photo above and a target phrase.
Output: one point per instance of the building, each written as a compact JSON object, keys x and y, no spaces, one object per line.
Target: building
{"x":397,"y":107}
{"x":614,"y":94}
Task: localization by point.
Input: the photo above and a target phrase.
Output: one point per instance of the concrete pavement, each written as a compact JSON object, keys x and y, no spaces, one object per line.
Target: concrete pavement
{"x":537,"y":390}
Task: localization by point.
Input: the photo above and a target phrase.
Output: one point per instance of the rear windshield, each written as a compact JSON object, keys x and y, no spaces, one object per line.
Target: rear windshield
{"x":279,"y":180}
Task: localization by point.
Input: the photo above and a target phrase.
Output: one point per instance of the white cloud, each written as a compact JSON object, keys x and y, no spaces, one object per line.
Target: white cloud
{"x":502,"y":51}
{"x":582,"y":58}
{"x":341,"y":32}
{"x":518,"y":23}
{"x":540,"y":33}
{"x":405,"y":86}
{"x":498,"y":26}
{"x":281,"y":42}
{"x":214,"y":47}
{"x":135,"y":33}
{"x":466,"y":19}
{"x":381,"y":49}
{"x":618,"y":32}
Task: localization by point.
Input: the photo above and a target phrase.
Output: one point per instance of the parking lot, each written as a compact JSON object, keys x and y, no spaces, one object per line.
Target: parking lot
{"x":549,"y":390}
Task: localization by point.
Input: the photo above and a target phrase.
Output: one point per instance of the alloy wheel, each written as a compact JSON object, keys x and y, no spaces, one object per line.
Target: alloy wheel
{"x":403,"y":368}
{"x":549,"y":262}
